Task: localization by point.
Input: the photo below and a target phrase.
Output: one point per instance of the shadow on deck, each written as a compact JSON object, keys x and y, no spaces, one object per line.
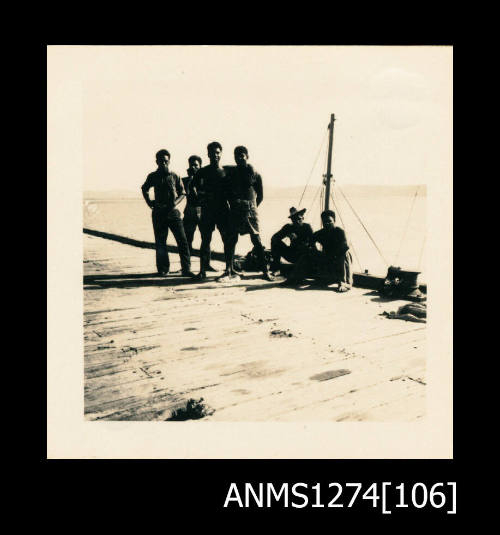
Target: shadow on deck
{"x":133,"y":280}
{"x":139,"y":280}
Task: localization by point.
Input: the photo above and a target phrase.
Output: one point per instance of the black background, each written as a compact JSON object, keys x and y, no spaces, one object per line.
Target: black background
{"x":136,"y":492}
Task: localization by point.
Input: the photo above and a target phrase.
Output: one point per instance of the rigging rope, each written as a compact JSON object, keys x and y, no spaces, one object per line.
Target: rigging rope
{"x":314,"y":165}
{"x":362,"y":224}
{"x":421,"y":253}
{"x":406,"y":227}
{"x":321,"y":204}
{"x":320,"y":188}
{"x":322,"y":199}
{"x":337,"y":209}
{"x":315,"y":195}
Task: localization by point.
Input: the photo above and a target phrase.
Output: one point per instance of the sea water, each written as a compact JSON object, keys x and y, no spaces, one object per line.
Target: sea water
{"x":383,"y":231}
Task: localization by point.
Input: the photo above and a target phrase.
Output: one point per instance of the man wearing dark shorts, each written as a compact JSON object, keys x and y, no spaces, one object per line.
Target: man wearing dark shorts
{"x":245,"y":193}
{"x":208,"y":187}
{"x":300,"y":235}
{"x":168,"y":193}
{"x":192,"y":210}
{"x":333,"y":264}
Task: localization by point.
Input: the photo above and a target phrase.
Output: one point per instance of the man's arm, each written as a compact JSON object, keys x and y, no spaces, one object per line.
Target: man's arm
{"x":282,"y":233}
{"x":188,"y":183}
{"x":259,"y":190}
{"x":179,"y":188}
{"x":195,"y":185}
{"x":309,"y":235}
{"x":145,"y":192}
{"x":342,"y":246}
{"x":315,"y":239}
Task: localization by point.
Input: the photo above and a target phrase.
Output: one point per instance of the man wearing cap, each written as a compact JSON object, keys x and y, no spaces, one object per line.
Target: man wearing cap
{"x":168,"y":193}
{"x":192,"y":210}
{"x":245,"y":193}
{"x":300,"y":235}
{"x":330,"y":265}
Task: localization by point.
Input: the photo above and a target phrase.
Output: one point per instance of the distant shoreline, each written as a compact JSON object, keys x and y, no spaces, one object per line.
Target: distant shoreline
{"x":354,"y":190}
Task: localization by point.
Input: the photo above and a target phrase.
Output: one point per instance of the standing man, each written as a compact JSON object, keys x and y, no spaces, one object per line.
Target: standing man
{"x":168,"y":193}
{"x":245,"y":193}
{"x":192,"y":210}
{"x":330,"y":265}
{"x":300,"y":235}
{"x":209,"y":190}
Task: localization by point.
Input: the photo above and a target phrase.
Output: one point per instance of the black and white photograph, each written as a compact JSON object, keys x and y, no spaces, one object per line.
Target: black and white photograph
{"x":249,"y":251}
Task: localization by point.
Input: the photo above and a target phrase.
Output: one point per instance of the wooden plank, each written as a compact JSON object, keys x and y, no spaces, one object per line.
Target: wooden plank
{"x":151,"y":344}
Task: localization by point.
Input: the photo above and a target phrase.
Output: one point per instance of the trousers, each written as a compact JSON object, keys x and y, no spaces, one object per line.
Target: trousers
{"x":317,"y":265}
{"x":163,"y":221}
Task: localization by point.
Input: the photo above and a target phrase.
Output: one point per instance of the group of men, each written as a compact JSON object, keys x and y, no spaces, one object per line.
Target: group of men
{"x":226,"y":198}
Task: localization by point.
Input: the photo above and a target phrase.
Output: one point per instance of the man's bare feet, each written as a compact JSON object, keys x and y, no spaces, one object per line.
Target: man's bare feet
{"x":227,"y":276}
{"x":343,"y":287}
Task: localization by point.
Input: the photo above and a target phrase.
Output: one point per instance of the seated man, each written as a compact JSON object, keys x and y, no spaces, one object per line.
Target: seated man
{"x":300,"y":235}
{"x":330,"y":265}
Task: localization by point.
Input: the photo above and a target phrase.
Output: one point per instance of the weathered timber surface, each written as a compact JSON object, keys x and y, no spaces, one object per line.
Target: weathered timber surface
{"x":152,"y":343}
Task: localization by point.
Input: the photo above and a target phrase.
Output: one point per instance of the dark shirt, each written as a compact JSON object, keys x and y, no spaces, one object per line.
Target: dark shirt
{"x":244,"y":183}
{"x":167,"y":186}
{"x":209,"y":184}
{"x":333,"y":241}
{"x":303,"y":234}
{"x":191,"y":199}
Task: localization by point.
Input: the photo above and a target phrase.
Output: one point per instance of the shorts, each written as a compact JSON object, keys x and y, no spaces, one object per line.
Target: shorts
{"x":243,"y":217}
{"x":214,"y":217}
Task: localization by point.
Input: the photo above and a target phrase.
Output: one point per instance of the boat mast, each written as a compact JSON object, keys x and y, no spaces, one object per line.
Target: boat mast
{"x":329,"y":168}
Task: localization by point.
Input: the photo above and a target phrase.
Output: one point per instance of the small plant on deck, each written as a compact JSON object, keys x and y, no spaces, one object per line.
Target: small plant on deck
{"x":194,"y":410}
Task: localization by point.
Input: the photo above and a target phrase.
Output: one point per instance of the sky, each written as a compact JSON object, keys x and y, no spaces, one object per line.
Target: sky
{"x":393,"y":109}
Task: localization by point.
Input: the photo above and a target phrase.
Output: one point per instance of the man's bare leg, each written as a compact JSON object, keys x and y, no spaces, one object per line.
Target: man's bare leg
{"x":206,"y":238}
{"x":230,"y":273}
{"x":259,"y":248}
{"x":345,"y":273}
